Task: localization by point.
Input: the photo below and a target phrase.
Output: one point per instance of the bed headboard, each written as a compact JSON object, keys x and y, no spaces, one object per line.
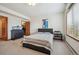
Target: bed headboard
{"x":45,"y":30}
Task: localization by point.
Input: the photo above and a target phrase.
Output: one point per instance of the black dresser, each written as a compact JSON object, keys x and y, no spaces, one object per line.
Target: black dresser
{"x":45,"y":30}
{"x":16,"y":33}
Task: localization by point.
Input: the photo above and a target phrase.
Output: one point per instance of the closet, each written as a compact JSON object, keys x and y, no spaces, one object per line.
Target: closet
{"x":3,"y":28}
{"x":27,"y":28}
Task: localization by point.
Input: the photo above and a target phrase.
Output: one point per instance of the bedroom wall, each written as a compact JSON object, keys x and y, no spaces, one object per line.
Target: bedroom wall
{"x":14,"y":18}
{"x":55,"y":21}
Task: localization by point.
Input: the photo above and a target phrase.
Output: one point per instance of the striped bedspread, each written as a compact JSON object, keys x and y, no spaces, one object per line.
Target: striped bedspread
{"x":40,"y":39}
{"x":37,"y":42}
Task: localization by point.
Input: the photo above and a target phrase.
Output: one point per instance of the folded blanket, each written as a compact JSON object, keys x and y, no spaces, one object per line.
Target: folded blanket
{"x":38,"y":42}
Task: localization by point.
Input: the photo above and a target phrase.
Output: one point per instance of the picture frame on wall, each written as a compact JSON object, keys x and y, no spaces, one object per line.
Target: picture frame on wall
{"x":45,"y":23}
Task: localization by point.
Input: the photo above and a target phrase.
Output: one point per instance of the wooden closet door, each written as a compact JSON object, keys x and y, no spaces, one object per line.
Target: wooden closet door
{"x":0,"y":28}
{"x":4,"y":28}
{"x":27,"y":29}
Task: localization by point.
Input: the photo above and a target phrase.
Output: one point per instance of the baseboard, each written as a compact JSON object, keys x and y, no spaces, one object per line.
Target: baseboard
{"x":71,"y":48}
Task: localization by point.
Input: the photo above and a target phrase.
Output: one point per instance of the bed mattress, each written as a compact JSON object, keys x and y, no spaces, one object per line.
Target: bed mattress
{"x":40,"y":39}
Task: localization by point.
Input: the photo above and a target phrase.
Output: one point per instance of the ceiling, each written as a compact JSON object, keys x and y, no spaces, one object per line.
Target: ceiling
{"x":38,"y":9}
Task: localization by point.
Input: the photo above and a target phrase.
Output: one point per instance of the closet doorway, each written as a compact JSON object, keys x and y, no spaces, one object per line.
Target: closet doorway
{"x":26,"y":27}
{"x":3,"y":28}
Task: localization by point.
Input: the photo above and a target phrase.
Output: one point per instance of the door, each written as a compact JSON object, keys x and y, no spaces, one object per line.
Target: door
{"x":4,"y":21}
{"x":0,"y":28}
{"x":27,"y":29}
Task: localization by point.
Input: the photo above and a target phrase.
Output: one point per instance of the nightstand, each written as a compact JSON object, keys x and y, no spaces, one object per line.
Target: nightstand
{"x":57,"y":35}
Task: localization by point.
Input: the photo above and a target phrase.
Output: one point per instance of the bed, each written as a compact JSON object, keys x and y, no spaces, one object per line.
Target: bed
{"x":40,"y":41}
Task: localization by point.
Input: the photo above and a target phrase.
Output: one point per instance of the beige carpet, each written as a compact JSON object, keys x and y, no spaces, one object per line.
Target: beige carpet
{"x":14,"y":47}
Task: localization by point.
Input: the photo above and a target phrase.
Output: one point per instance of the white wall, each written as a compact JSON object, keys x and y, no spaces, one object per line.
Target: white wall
{"x":55,"y":21}
{"x":35,"y":23}
{"x":12,"y":21}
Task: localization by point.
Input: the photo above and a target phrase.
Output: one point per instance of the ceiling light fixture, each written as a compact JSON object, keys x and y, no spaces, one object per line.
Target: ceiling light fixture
{"x":32,"y":4}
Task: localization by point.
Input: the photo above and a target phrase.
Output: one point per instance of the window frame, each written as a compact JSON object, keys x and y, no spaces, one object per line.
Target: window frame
{"x":68,"y":10}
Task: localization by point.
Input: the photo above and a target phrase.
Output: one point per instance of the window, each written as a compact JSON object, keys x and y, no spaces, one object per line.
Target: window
{"x":73,"y":21}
